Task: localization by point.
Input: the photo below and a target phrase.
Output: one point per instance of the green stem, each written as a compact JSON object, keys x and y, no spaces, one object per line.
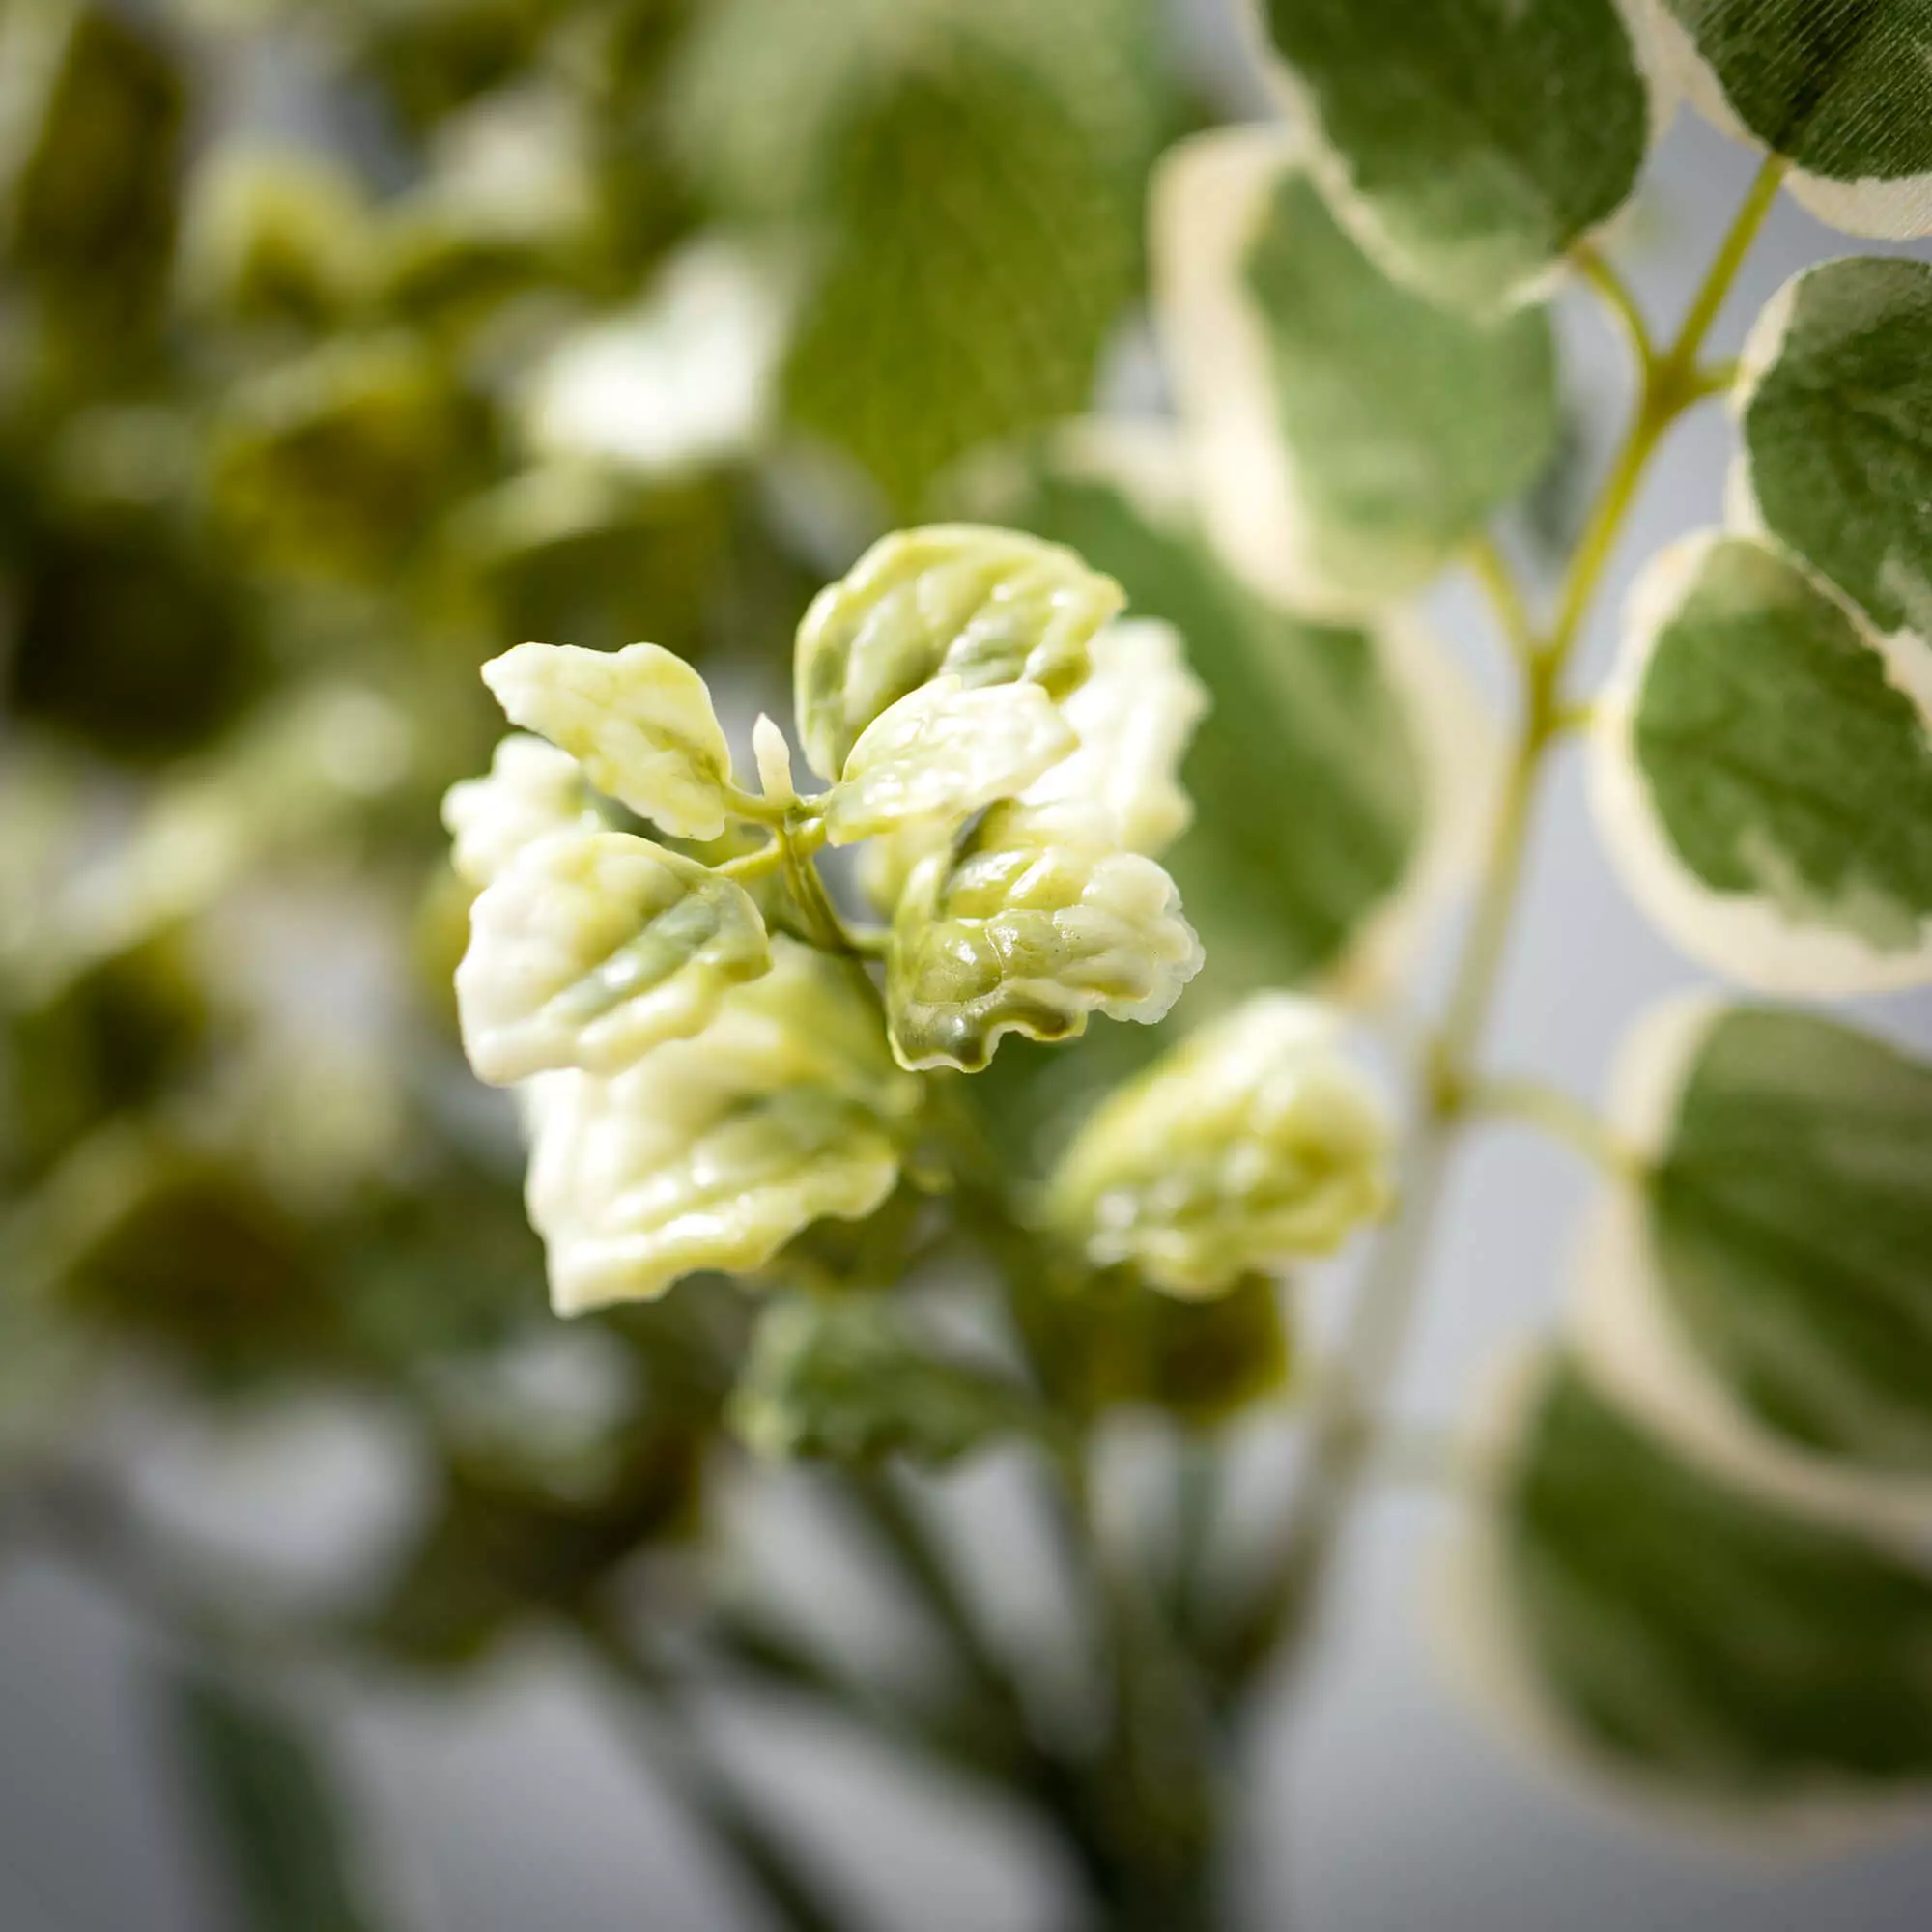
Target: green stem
{"x":1346,"y":1418}
{"x":1559,"y":1115}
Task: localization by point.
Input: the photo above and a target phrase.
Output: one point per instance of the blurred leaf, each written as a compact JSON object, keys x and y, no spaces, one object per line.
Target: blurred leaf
{"x":1304,"y":773}
{"x":1835,"y":405}
{"x":1111,"y":1342}
{"x":843,"y":1379}
{"x":1764,"y":776}
{"x":1843,"y":91}
{"x":92,"y":219}
{"x":1472,"y":142}
{"x":1698,"y":1645}
{"x":269,"y":1799}
{"x":1352,"y":435}
{"x":972,"y":174}
{"x":1777,"y":1308}
{"x":337,"y":463}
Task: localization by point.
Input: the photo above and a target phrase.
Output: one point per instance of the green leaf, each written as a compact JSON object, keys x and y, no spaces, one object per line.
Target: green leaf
{"x":986,"y":606}
{"x":532,"y":791}
{"x":1765,"y":1299}
{"x":971,"y":174}
{"x":1109,"y":1343}
{"x":844,"y":1378}
{"x":1250,"y":1144}
{"x":1348,"y":436}
{"x":1014,"y":931}
{"x":87,"y":184}
{"x":1310,"y":775}
{"x":639,"y":721}
{"x":943,"y":751}
{"x":270,"y":1799}
{"x":1469,"y":143}
{"x":1835,"y":407}
{"x":1694,"y":1647}
{"x":1763,"y":775}
{"x":592,"y":948}
{"x":1843,"y":91}
{"x":713,"y":1152}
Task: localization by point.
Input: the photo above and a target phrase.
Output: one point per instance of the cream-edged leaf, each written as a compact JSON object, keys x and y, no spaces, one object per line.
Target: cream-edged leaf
{"x":639,"y":721}
{"x":1252,"y":1144}
{"x":638,"y":1180}
{"x":943,"y":752}
{"x":1842,"y":91}
{"x":591,"y":948}
{"x":1763,"y":1299}
{"x":1016,"y":931}
{"x":715,"y":1151}
{"x":1470,"y":144}
{"x":986,"y":606}
{"x":532,"y":791}
{"x":1347,"y":437}
{"x":1833,"y":403}
{"x":1694,"y":1654}
{"x":1762,"y":774}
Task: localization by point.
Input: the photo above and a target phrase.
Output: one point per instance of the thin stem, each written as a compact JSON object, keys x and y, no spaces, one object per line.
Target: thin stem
{"x":1491,"y":571}
{"x":1346,"y":1418}
{"x":1559,"y":1115}
{"x":1596,"y":269}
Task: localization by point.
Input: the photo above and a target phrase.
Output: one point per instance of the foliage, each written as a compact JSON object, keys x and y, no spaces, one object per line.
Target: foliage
{"x":990,"y":1075}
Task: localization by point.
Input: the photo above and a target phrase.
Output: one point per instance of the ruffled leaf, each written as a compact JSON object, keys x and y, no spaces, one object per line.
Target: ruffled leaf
{"x":1250,"y":1144}
{"x":942,"y":752}
{"x":1018,"y":933}
{"x":986,"y":606}
{"x":534,"y":790}
{"x":640,"y":721}
{"x":1763,"y":775}
{"x":592,"y":948}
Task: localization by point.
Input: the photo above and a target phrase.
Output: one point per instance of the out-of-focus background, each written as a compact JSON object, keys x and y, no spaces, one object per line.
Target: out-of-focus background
{"x":343,"y":345}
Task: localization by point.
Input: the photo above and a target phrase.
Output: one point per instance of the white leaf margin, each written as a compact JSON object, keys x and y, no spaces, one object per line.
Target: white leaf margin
{"x":1742,"y":937}
{"x":1658,"y":68}
{"x":1636,"y":1348}
{"x":1458,"y":737}
{"x":1482,"y":1652}
{"x":1898,"y":210}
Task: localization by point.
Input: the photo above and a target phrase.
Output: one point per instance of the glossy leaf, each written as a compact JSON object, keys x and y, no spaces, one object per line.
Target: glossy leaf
{"x":942,"y":752}
{"x":592,"y":948}
{"x":988,"y":607}
{"x":1250,"y":1144}
{"x":1347,"y":435}
{"x":1763,"y":775}
{"x":1835,"y":404}
{"x":1842,"y":91}
{"x":1468,"y":143}
{"x":639,"y":721}
{"x":1014,"y":932}
{"x":532,"y":791}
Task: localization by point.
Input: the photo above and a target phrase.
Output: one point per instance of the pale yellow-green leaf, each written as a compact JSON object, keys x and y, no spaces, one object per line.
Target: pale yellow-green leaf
{"x":988,"y":606}
{"x":592,"y":948}
{"x":1252,"y":1144}
{"x":532,"y":791}
{"x":640,"y":721}
{"x":1018,"y":933}
{"x":942,"y":752}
